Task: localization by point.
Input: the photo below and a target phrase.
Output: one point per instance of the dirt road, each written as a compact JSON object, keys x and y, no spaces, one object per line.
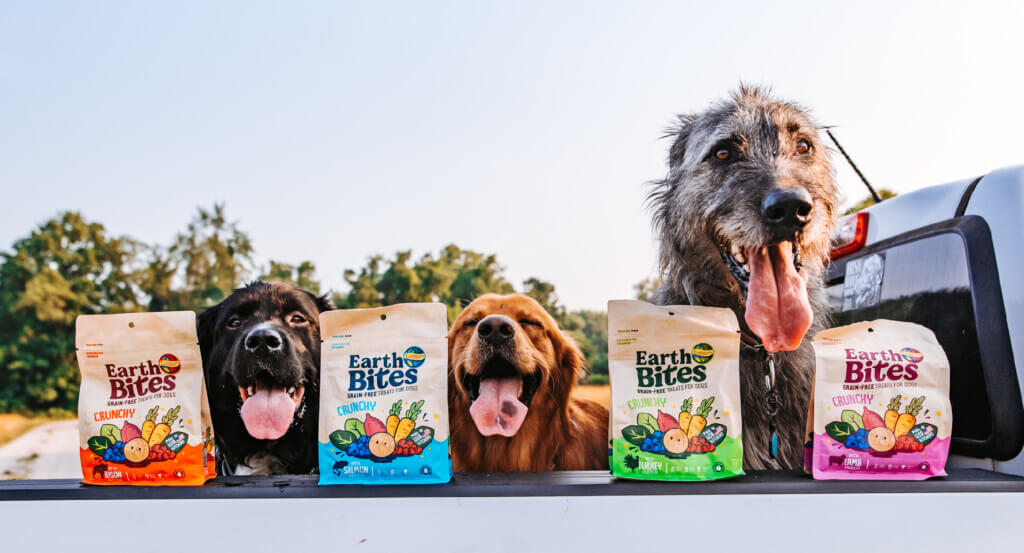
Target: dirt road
{"x":46,"y":451}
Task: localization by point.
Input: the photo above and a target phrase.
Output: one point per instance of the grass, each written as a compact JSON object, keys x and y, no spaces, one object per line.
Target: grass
{"x":600,"y":394}
{"x":13,"y":425}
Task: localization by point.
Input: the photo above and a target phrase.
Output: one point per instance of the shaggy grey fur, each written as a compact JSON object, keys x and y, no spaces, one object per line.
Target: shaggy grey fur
{"x":704,"y":203}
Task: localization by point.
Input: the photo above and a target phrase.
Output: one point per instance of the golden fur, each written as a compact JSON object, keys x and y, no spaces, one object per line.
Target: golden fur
{"x":560,"y":431}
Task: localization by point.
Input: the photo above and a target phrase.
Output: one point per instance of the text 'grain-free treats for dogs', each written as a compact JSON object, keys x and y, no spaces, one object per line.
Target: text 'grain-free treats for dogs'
{"x":143,"y":415}
{"x":675,"y":412}
{"x":881,"y":403}
{"x":384,"y":395}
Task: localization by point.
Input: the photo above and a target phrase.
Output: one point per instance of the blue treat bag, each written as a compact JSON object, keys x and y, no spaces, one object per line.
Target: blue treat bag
{"x":384,"y":395}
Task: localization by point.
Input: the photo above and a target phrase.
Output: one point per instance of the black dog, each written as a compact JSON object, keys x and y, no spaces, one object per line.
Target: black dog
{"x":261,"y":354}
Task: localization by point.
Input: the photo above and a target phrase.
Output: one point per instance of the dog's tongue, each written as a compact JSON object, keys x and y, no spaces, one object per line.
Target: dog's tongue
{"x":777,"y":307}
{"x":267,"y":414}
{"x":498,"y":411}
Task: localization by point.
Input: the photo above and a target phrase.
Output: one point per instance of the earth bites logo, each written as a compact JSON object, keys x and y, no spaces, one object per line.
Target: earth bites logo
{"x":146,"y":378}
{"x":654,"y":370}
{"x":878,"y":366}
{"x":384,"y":371}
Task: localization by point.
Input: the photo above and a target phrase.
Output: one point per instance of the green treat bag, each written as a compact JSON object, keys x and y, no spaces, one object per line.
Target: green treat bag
{"x":675,"y":374}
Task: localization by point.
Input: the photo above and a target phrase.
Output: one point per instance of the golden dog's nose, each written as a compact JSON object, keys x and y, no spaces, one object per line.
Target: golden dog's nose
{"x":495,"y":329}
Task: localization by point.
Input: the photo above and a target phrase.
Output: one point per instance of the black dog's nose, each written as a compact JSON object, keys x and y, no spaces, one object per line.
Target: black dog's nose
{"x":787,"y":209}
{"x":263,"y":338}
{"x":495,"y":329}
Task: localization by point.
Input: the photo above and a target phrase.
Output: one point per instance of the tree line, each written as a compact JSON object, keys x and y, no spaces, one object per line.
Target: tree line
{"x":69,"y":266}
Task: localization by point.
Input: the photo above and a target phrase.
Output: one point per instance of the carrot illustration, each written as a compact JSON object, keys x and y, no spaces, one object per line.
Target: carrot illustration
{"x":150,"y":423}
{"x":164,"y":428}
{"x":684,"y":414}
{"x":699,"y":420}
{"x":408,"y":422}
{"x":909,"y":417}
{"x":392,"y":423}
{"x":893,"y":413}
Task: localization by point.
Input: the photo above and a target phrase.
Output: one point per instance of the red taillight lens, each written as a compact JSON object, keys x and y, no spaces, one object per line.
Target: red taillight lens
{"x":850,"y":235}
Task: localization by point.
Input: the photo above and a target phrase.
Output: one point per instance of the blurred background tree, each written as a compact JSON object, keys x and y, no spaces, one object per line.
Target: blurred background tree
{"x":215,"y":258}
{"x":69,"y":266}
{"x":65,"y":268}
{"x":302,"y":275}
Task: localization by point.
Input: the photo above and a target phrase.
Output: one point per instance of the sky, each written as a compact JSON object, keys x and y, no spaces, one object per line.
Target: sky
{"x":334,"y":131}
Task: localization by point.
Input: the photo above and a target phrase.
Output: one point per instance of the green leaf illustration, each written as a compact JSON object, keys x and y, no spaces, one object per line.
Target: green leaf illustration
{"x":635,"y":434}
{"x":853,"y":419}
{"x":99,"y":444}
{"x":355,"y":426}
{"x":111,"y":433}
{"x":647,"y":421}
{"x":839,"y":431}
{"x":341,"y":439}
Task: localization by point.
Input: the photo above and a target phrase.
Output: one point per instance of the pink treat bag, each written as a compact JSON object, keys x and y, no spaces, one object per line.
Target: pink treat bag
{"x":881,"y":403}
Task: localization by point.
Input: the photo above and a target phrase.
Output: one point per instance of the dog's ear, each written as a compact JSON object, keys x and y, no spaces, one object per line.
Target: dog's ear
{"x":679,"y":132}
{"x":205,"y":323}
{"x":323,"y":303}
{"x":571,"y":362}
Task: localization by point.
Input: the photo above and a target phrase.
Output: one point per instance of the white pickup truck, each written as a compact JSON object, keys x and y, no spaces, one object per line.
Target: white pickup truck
{"x":949,"y":257}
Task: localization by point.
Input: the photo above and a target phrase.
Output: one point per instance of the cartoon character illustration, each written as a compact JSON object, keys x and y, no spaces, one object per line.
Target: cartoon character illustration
{"x":131,"y":445}
{"x":677,"y":436}
{"x":381,"y":442}
{"x":883,"y":436}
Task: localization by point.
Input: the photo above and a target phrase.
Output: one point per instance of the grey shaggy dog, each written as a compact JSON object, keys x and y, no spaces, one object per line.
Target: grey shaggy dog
{"x":750,"y":179}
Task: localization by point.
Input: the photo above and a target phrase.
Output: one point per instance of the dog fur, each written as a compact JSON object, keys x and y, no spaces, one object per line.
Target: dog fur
{"x":560,"y":431}
{"x":703,"y":204}
{"x":230,"y":368}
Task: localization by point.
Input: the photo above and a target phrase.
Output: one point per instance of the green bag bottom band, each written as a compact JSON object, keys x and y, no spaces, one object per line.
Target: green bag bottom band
{"x":725,"y":461}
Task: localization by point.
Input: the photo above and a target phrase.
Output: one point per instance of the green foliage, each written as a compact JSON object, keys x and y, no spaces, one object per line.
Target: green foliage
{"x":303,"y":275}
{"x":646,"y":288}
{"x":200,"y":267}
{"x":64,"y":268}
{"x":215,"y":256}
{"x":69,"y":267}
{"x":454,"y":277}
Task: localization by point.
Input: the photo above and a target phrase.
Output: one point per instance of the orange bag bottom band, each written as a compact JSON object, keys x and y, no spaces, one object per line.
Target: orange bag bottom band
{"x":185,"y":469}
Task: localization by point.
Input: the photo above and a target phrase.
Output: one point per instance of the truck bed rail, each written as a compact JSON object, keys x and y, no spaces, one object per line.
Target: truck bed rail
{"x":548,"y":484}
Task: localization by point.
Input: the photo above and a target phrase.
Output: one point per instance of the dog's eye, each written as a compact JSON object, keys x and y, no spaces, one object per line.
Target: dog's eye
{"x":470,"y":322}
{"x":803,"y":146}
{"x":297,"y":319}
{"x":723,"y":154}
{"x":234,"y":322}
{"x":530,"y":322}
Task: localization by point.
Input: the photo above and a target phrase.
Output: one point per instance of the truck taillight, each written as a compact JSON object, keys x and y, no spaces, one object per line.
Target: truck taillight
{"x":850,"y":235}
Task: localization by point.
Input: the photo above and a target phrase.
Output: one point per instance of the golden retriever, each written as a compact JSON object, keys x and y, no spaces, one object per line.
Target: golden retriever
{"x":511,"y":375}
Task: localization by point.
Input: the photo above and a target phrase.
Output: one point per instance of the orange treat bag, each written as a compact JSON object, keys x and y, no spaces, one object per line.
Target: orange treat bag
{"x":143,"y":415}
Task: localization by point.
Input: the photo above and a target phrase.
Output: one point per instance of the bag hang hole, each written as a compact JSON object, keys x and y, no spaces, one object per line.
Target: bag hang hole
{"x":131,"y":324}
{"x":383,"y":316}
{"x":671,"y":313}
{"x":870,"y":329}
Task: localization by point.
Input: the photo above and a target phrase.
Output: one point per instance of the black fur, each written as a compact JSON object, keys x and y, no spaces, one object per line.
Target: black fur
{"x":228,"y":366}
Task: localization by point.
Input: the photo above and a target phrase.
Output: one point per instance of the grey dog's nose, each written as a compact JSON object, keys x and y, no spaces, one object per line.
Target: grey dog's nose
{"x":495,"y":329}
{"x":263,"y":338}
{"x":787,"y":209}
